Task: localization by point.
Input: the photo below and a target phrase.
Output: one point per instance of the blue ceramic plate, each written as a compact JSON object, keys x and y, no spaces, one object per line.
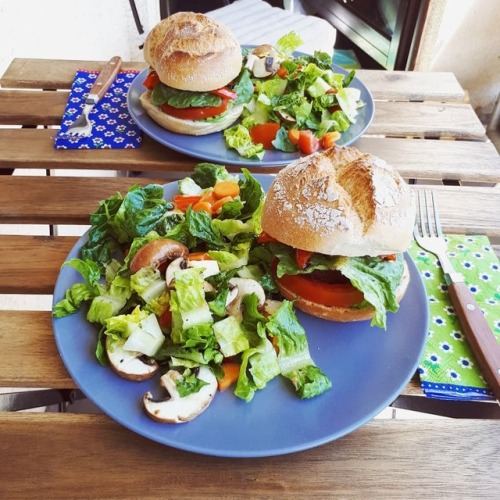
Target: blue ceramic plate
{"x":213,"y":148}
{"x":369,"y":367}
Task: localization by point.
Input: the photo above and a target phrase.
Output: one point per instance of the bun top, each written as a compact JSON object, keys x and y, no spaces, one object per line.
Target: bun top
{"x":193,"y":52}
{"x":340,"y":202}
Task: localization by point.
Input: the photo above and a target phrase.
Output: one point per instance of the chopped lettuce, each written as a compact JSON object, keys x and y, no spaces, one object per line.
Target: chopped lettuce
{"x":188,"y":298}
{"x":289,"y":43}
{"x":238,"y":137}
{"x":294,"y":359}
{"x":196,"y":329}
{"x":230,"y":336}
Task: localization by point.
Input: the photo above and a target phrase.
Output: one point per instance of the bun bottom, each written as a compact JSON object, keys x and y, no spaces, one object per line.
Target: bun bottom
{"x":341,"y":314}
{"x":188,"y":127}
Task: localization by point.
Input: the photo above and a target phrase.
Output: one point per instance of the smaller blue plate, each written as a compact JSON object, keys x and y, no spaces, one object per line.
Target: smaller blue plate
{"x":213,"y":148}
{"x":368,"y":367}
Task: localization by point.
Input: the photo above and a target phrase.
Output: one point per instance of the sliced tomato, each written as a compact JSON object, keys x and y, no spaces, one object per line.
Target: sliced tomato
{"x":264,"y":134}
{"x":265,"y":238}
{"x":282,"y":72}
{"x":195,"y":113}
{"x":389,"y":257}
{"x":152,"y":80}
{"x":327,"y":294}
{"x":225,"y":92}
{"x":307,"y":142}
{"x":302,"y":257}
{"x":165,"y":320}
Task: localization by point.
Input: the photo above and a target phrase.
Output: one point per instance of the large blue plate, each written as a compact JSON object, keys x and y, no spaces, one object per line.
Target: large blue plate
{"x":213,"y":148}
{"x":369,"y":367}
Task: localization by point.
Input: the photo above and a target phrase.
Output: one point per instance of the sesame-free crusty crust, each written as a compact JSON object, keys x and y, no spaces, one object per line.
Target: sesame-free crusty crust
{"x":191,"y":51}
{"x":340,"y":201}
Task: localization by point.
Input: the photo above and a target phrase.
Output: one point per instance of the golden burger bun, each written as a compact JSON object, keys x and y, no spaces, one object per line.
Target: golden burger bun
{"x":191,"y":51}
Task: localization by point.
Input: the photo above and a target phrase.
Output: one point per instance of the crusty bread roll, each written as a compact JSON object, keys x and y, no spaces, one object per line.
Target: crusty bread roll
{"x":189,"y":127}
{"x":191,"y":51}
{"x":335,"y":313}
{"x":340,"y":202}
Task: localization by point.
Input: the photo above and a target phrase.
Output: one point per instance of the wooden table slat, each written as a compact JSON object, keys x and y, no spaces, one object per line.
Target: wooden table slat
{"x":418,"y":159}
{"x":392,"y":85}
{"x":426,"y":119}
{"x":28,"y":352}
{"x":459,"y":205}
{"x":412,"y":85}
{"x":391,"y":118}
{"x":373,"y":462}
{"x":38,"y":200}
{"x":37,"y":271}
{"x":19,"y":107}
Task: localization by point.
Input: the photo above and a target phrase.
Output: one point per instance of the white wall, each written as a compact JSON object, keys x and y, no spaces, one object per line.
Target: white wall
{"x":72,"y":29}
{"x":469,"y":46}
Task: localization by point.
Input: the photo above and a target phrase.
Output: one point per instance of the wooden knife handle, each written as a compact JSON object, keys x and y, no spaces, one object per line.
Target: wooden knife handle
{"x":106,"y":77}
{"x":478,"y":333}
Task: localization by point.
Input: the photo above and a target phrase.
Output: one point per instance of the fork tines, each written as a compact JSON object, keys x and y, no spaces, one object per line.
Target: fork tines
{"x":427,"y":215}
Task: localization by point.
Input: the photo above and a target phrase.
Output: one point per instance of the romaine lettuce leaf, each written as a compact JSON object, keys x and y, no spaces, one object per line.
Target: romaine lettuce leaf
{"x":208,"y":174}
{"x":230,"y":336}
{"x":188,"y":298}
{"x":294,"y":359}
{"x":238,"y":137}
{"x":288,"y":43}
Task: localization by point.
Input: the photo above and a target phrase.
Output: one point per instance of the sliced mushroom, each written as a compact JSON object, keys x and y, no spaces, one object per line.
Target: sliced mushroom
{"x":176,"y":409}
{"x":263,"y":61}
{"x":130,"y":365}
{"x":173,"y":267}
{"x":271,"y":306}
{"x":245,"y":286}
{"x":156,"y":253}
{"x":210,"y":268}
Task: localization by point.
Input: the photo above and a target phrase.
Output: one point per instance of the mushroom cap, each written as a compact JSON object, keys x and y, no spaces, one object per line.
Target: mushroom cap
{"x":177,"y":409}
{"x":128,"y":364}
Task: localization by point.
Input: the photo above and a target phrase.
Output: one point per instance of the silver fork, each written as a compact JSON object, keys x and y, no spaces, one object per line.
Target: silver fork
{"x":429,"y":235}
{"x":82,"y":126}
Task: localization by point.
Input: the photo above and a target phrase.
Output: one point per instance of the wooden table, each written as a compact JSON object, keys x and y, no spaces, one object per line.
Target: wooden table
{"x":423,"y":126}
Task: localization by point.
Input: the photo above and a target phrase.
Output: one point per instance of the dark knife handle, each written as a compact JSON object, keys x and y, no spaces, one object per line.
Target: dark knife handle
{"x":478,"y":333}
{"x":106,"y":77}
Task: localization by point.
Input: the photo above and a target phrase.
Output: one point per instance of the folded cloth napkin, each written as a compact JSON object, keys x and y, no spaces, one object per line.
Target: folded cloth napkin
{"x":113,"y":125}
{"x":448,"y":368}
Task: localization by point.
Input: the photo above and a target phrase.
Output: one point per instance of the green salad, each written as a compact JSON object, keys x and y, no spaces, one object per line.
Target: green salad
{"x":183,"y":290}
{"x":299,"y":103}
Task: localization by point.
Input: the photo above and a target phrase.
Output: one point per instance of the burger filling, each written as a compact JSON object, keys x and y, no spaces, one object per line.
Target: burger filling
{"x":189,"y":105}
{"x":339,"y":281}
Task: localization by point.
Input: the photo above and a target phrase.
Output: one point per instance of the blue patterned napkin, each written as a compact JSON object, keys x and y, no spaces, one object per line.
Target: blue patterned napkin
{"x":448,"y":368}
{"x":113,"y":125}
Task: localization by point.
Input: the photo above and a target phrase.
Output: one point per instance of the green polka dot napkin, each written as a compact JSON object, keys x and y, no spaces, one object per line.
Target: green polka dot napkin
{"x":448,"y":368}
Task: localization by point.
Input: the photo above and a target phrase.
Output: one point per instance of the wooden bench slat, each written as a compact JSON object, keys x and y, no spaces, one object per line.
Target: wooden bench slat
{"x":29,"y":353}
{"x":427,"y":119}
{"x":31,"y":107}
{"x":392,"y":85}
{"x":61,"y":462}
{"x":417,"y":159}
{"x":38,"y":200}
{"x":391,"y":118}
{"x":36,"y":272}
{"x":412,"y":85}
{"x":51,"y":74}
{"x":459,"y":205}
